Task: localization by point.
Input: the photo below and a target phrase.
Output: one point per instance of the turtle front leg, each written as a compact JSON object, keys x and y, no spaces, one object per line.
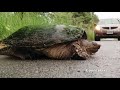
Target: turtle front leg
{"x":80,"y":51}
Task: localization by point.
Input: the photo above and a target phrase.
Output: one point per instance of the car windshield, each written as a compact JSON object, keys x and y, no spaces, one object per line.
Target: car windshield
{"x":109,"y":21}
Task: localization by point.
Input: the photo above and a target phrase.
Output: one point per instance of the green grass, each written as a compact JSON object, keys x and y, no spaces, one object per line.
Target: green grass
{"x":90,"y":35}
{"x":9,"y":23}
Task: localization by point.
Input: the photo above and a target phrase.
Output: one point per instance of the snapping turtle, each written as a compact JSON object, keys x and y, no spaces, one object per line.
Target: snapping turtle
{"x":54,"y":42}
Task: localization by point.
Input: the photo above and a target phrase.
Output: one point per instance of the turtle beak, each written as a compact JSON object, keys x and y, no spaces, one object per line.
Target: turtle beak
{"x":96,"y":45}
{"x":99,"y":46}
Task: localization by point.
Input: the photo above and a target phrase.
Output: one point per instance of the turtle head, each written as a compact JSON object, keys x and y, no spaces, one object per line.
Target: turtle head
{"x":84,"y":48}
{"x":91,"y":46}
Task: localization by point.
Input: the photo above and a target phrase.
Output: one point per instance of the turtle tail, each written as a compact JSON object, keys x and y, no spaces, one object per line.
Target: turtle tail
{"x":5,"y":51}
{"x":2,"y":45}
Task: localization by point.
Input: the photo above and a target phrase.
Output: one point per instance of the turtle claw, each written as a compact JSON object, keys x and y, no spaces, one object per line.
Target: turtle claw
{"x":81,"y":51}
{"x":84,"y":55}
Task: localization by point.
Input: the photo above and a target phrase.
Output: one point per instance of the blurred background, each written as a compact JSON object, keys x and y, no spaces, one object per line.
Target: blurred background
{"x":12,"y":21}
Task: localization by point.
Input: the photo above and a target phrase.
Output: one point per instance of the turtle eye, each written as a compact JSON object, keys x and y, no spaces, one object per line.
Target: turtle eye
{"x":94,"y":43}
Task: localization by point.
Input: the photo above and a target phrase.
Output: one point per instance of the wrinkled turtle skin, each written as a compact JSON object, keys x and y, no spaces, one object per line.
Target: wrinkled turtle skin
{"x":53,"y":42}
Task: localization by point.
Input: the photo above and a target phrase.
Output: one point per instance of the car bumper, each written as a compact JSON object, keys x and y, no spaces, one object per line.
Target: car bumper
{"x":104,"y":34}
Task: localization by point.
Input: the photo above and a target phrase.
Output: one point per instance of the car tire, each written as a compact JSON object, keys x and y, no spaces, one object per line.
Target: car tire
{"x":97,"y":38}
{"x":118,"y":38}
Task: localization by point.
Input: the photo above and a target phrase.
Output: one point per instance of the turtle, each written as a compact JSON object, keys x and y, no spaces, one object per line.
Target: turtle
{"x":51,"y":41}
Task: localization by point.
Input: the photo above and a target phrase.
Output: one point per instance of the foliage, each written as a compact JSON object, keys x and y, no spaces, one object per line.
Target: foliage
{"x":12,"y":21}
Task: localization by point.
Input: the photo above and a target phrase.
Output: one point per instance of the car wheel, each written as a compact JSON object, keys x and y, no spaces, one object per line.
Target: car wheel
{"x":118,"y":38}
{"x":97,"y":38}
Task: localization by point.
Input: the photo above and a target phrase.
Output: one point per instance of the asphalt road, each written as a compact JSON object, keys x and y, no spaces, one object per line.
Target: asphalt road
{"x":104,"y":64}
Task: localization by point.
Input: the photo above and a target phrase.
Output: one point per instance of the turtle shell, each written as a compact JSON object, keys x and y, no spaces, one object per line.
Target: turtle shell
{"x":37,"y":36}
{"x":53,"y":41}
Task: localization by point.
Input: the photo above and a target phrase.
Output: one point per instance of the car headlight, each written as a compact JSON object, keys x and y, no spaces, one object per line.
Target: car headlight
{"x":97,"y":27}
